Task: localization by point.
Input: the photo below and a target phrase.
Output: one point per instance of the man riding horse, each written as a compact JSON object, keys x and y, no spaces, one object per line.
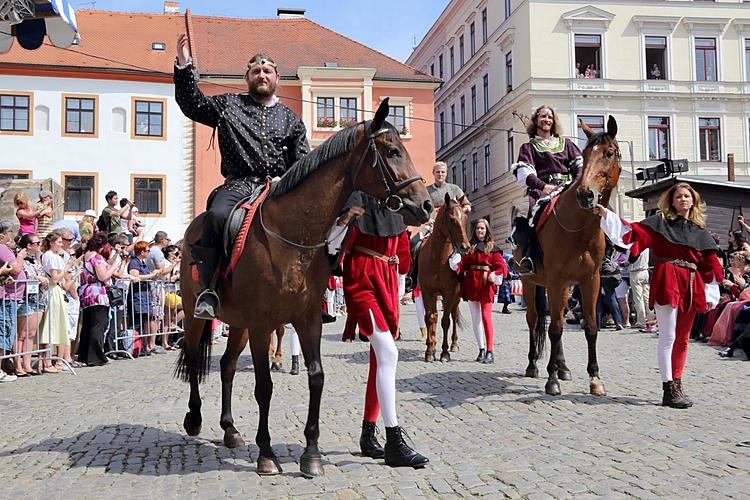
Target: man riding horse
{"x":544,"y":163}
{"x":439,"y":188}
{"x":259,"y":139}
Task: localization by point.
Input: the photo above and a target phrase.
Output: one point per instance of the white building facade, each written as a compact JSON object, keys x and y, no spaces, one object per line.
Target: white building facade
{"x":93,"y":135}
{"x":674,"y":73}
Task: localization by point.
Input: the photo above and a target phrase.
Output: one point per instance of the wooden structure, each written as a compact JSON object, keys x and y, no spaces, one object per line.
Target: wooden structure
{"x":9,"y":188}
{"x":724,"y":200}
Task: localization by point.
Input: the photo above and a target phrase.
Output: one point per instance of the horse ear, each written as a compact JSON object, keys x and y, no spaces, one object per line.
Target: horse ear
{"x":586,"y":129}
{"x":380,"y":115}
{"x":447,"y":199}
{"x":612,"y":127}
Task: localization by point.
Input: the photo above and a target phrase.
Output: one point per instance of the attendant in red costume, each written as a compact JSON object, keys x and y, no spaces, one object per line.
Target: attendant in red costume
{"x":483,"y":269}
{"x":377,"y":251}
{"x":685,"y":279}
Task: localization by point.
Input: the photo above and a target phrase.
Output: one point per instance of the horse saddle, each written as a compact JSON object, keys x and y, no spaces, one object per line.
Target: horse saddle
{"x":543,"y":208}
{"x":416,"y":243}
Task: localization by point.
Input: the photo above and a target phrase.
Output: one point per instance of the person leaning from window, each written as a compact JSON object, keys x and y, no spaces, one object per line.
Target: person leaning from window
{"x":654,"y":73}
{"x":33,"y":304}
{"x":95,"y":278}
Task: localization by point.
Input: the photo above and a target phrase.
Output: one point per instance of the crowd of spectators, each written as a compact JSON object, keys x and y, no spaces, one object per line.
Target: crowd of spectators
{"x":83,"y":293}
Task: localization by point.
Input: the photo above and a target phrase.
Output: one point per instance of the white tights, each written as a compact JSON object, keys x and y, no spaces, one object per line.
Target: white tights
{"x":294,"y":341}
{"x":476,"y":323}
{"x":386,"y":355}
{"x":666,"y":318}
{"x":420,"y":311}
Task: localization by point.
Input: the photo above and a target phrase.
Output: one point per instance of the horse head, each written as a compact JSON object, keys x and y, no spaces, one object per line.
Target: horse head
{"x":601,"y":166}
{"x":450,"y":224}
{"x":392,"y":176}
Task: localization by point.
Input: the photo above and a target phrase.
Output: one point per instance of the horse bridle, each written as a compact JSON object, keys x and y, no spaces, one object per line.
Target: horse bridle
{"x":393,"y":202}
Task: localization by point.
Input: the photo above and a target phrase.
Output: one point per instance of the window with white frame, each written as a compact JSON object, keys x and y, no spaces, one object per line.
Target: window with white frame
{"x":705,"y":60}
{"x":453,"y":121}
{"x":658,"y":137}
{"x":588,"y":55}
{"x":397,"y":118}
{"x":348,"y":111}
{"x":440,"y":65}
{"x":463,"y":111}
{"x":454,"y":178}
{"x":461,"y":59}
{"x":510,"y":150}
{"x":487,"y":165}
{"x":326,"y":113}
{"x":473,"y":103}
{"x":508,"y":72}
{"x":474,"y":172}
{"x":442,"y":129}
{"x":15,"y":113}
{"x":486,"y":92}
{"x":656,"y":57}
{"x":463,"y":175}
{"x":472,"y":39}
{"x":595,"y":123}
{"x":747,"y":59}
{"x":709,"y":139}
{"x":484,"y":25}
{"x":508,"y":8}
{"x":452,"y":58}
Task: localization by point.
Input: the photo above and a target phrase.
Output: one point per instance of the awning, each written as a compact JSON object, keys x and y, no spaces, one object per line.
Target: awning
{"x":30,"y":20}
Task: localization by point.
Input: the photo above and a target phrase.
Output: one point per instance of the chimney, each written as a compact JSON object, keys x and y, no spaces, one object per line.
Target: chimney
{"x":290,"y":13}
{"x":171,"y":7}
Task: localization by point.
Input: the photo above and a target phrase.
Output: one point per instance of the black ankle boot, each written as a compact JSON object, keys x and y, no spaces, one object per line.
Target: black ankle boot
{"x":489,"y":358}
{"x":398,"y":453}
{"x":368,"y":443}
{"x":522,"y":238}
{"x":208,"y":261}
{"x":295,"y":365}
{"x":480,"y":358}
{"x":505,"y":309}
{"x":727,"y":352}
{"x":672,"y":397}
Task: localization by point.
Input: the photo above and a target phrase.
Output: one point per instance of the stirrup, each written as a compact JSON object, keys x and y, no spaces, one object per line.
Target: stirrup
{"x":524,"y":267}
{"x":207,"y":305}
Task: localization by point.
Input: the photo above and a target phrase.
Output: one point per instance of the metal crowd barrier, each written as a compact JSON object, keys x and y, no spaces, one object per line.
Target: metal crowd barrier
{"x":151,"y":308}
{"x":10,"y":314}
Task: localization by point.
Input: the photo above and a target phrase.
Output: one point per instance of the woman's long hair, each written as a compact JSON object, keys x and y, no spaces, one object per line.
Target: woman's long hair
{"x":97,"y":242}
{"x":697,"y":211}
{"x":489,"y":243}
{"x":531,"y":127}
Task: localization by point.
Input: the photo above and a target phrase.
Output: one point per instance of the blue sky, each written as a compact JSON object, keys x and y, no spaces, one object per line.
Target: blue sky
{"x":389,"y":26}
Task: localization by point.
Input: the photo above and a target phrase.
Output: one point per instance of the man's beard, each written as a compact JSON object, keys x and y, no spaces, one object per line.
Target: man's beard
{"x":267,"y":91}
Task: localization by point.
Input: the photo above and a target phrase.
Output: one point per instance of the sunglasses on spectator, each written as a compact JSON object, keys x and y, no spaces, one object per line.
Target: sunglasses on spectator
{"x":34,"y":242}
{"x":68,"y":239}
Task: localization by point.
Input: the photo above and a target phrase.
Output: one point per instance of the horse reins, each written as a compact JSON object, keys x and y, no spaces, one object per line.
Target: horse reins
{"x":392,"y":202}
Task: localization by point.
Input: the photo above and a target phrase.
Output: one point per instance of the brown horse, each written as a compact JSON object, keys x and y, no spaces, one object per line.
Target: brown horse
{"x":436,"y":278}
{"x":283,"y":271}
{"x":573,"y":246}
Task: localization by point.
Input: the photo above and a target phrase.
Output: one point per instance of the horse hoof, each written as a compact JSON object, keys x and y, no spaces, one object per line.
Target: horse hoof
{"x":429,"y":358}
{"x":191,"y":425}
{"x":268,"y":466}
{"x":275,"y":367}
{"x":596,"y":388}
{"x":564,"y":375}
{"x":311,"y":466}
{"x":233,"y":440}
{"x":552,"y":388}
{"x":454,"y":348}
{"x":532,"y":372}
{"x":445,"y":357}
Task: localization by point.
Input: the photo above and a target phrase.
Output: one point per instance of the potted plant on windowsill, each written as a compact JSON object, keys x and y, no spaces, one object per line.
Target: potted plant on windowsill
{"x":404,"y":131}
{"x":326,"y":123}
{"x":347,"y":122}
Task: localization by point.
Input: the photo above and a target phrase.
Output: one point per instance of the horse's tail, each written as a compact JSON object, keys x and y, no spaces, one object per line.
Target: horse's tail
{"x":540,"y":301}
{"x":199,"y":361}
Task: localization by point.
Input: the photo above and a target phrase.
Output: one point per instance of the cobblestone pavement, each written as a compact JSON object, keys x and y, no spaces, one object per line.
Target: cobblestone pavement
{"x":116,"y":431}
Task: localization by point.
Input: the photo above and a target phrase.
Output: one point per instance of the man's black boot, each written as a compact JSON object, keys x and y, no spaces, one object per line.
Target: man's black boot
{"x":521,"y":237}
{"x":398,"y":453}
{"x":368,"y":443}
{"x":207,"y":259}
{"x":295,"y":365}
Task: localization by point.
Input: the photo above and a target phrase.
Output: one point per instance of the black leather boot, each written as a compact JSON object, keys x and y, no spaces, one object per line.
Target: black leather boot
{"x":727,"y":352}
{"x":207,"y":260}
{"x":672,"y":398}
{"x":521,"y":237}
{"x":480,"y":358}
{"x":678,"y":389}
{"x":368,"y":442}
{"x":489,"y":358}
{"x":398,"y":453}
{"x":295,"y":365}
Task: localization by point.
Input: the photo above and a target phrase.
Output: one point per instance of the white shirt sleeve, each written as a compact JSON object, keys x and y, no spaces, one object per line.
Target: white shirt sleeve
{"x":453,"y":261}
{"x":615,"y":230}
{"x":712,"y":293}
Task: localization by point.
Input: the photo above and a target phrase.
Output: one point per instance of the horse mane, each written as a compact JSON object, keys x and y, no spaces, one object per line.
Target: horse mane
{"x":333,"y":147}
{"x":600,"y":138}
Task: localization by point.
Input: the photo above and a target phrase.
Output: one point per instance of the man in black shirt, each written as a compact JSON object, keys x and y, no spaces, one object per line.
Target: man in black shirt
{"x":259,"y":139}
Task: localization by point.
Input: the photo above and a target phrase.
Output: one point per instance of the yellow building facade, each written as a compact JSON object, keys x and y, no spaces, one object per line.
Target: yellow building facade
{"x":674,"y":73}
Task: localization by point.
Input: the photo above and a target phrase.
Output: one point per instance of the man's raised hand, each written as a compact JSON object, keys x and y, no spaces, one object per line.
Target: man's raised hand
{"x":183,"y":52}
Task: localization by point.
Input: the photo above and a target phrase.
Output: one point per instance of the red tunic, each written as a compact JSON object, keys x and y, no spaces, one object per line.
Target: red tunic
{"x":371,"y":284}
{"x":475,"y":286}
{"x":670,"y":283}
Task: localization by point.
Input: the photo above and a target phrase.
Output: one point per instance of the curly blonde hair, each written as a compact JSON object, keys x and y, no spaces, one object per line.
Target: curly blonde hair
{"x":531,"y":127}
{"x":697,"y":212}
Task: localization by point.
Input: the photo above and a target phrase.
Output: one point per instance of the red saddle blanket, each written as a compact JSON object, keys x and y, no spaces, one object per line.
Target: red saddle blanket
{"x":544,"y":213}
